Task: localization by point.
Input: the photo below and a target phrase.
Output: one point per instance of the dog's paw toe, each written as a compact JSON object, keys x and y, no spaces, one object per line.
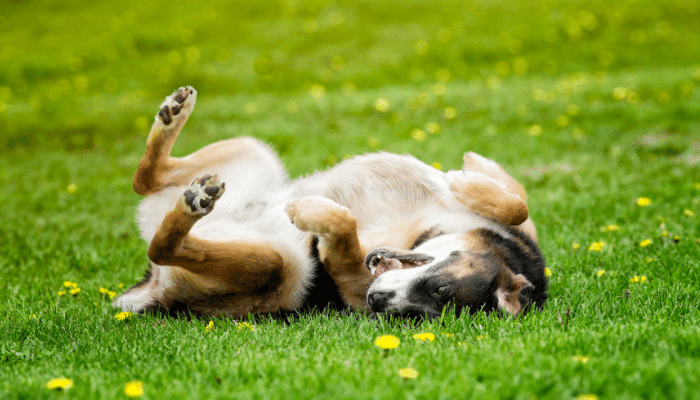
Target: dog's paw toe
{"x":177,"y":106}
{"x":203,"y":193}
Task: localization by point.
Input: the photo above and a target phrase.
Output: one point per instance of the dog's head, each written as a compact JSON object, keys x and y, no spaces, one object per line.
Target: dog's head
{"x":478,"y":270}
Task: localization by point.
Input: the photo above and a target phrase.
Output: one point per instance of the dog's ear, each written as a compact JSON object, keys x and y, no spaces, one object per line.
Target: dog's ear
{"x":512,"y":291}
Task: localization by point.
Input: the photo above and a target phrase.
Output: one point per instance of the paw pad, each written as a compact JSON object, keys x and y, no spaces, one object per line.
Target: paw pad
{"x":203,"y":193}
{"x":175,"y":103}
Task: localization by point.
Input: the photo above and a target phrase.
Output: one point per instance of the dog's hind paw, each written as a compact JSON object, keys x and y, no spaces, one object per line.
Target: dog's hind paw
{"x":177,"y":107}
{"x":320,"y":215}
{"x":200,"y":197}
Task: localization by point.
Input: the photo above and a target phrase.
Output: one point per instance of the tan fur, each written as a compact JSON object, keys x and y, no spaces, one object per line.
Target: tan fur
{"x":380,"y":200}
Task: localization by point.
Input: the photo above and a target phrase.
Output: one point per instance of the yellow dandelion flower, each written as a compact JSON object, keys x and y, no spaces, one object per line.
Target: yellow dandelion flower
{"x":547,"y":272}
{"x":61,"y":292}
{"x":209,"y":326}
{"x":33,"y":316}
{"x":534,"y":130}
{"x":387,"y":342}
{"x":446,"y":334}
{"x":437,"y":166}
{"x":59,"y":384}
{"x":245,"y":325}
{"x":432,"y":127}
{"x":111,"y":294}
{"x":575,"y":246}
{"x":381,"y":105}
{"x":664,"y":234}
{"x":133,"y":389}
{"x":424,"y":337}
{"x":74,"y":291}
{"x":645,"y":243}
{"x":676,"y":238}
{"x":123,"y":316}
{"x":688,"y":213}
{"x":596,"y":246}
{"x":103,"y":290}
{"x":601,"y":272}
{"x":587,"y":397}
{"x":581,"y":359}
{"x":461,"y":343}
{"x":611,"y":228}
{"x":450,"y":113}
{"x":317,"y":91}
{"x":408,"y":373}
{"x":643,"y":201}
{"x":643,"y":279}
{"x":72,"y":188}
{"x":649,"y":259}
{"x":120,"y":286}
{"x":418,"y":134}
{"x":67,"y":284}
{"x":479,"y":337}
{"x":634,"y":279}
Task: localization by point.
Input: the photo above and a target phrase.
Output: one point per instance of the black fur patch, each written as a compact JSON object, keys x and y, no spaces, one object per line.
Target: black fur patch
{"x":323,"y":292}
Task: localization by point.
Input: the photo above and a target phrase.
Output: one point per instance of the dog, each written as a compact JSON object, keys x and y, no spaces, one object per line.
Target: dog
{"x":230,"y":234}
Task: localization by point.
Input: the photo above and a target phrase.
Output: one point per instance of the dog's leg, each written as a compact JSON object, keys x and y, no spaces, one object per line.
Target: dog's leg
{"x":241,"y":267}
{"x":158,"y":169}
{"x":339,"y":246}
{"x":156,"y":163}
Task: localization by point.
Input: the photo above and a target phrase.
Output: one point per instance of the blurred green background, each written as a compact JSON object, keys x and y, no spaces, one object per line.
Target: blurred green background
{"x":79,"y":76}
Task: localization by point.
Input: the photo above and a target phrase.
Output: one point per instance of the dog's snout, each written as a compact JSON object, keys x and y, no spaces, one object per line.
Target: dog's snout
{"x":378,"y":301}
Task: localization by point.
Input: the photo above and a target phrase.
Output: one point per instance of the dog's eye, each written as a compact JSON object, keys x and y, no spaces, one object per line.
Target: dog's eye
{"x":441,"y":291}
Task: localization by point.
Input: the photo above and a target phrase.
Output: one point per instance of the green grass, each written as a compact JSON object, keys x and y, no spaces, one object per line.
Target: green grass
{"x":590,"y":105}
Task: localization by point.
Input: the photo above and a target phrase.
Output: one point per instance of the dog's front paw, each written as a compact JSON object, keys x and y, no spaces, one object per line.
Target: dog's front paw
{"x":320,"y":215}
{"x":199,"y":199}
{"x":177,"y":107}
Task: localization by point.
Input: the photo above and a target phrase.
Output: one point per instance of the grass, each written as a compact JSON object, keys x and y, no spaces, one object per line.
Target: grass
{"x":590,"y":105}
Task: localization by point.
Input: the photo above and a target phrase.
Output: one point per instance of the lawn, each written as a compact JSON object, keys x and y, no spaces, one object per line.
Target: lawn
{"x":593,"y":106}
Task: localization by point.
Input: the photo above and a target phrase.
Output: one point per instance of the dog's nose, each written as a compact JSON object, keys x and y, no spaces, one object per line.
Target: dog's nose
{"x":378,"y":301}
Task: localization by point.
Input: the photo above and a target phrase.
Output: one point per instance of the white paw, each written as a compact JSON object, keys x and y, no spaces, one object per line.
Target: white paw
{"x":177,"y":107}
{"x":202,"y":194}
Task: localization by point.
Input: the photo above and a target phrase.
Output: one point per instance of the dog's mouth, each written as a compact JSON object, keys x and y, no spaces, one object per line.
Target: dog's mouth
{"x":380,"y":261}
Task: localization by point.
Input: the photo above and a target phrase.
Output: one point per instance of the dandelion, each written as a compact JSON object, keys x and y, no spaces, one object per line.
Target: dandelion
{"x":649,"y":259}
{"x":418,"y":134}
{"x":61,"y":292}
{"x":587,"y":397}
{"x":408,"y":373}
{"x":534,"y":130}
{"x":387,"y":342}
{"x":643,"y":279}
{"x":611,"y":228}
{"x":245,"y":325}
{"x":209,"y":326}
{"x":596,"y":246}
{"x":634,"y":279}
{"x":72,"y":188}
{"x":575,"y":246}
{"x":446,"y":334}
{"x":547,"y":272}
{"x":676,"y":238}
{"x":432,"y":127}
{"x":643,"y":201}
{"x":123,"y":316}
{"x":645,"y":243}
{"x":70,"y":284}
{"x":581,"y":359}
{"x":479,"y":337}
{"x":601,"y":272}
{"x":33,"y":316}
{"x":381,"y":105}
{"x":74,"y":291}
{"x":688,"y":213}
{"x":317,"y":91}
{"x":59,"y":384}
{"x":133,"y":389}
{"x":450,"y":113}
{"x":424,"y":337}
{"x":437,"y":166}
